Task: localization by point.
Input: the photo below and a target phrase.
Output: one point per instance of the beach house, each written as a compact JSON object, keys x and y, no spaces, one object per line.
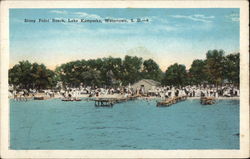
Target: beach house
{"x":146,"y":85}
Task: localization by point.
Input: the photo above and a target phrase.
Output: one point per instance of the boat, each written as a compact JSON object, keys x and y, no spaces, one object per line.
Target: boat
{"x":77,"y":99}
{"x":168,"y":102}
{"x":71,"y":100}
{"x":67,"y":100}
{"x":207,"y":100}
{"x":38,"y":98}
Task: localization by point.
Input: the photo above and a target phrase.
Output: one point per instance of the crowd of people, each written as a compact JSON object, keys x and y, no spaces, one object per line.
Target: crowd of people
{"x":198,"y":91}
{"x":162,"y":92}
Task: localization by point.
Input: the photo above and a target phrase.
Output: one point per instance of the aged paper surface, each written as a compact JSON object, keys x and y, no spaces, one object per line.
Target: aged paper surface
{"x":61,"y":8}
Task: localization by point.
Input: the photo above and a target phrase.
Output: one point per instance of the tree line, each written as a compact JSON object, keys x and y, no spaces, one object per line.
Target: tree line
{"x":110,"y":72}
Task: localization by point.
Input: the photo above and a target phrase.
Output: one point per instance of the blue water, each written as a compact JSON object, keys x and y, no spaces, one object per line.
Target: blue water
{"x":54,"y":124}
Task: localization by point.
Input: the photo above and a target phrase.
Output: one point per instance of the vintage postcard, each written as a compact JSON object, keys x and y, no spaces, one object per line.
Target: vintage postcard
{"x":124,"y":79}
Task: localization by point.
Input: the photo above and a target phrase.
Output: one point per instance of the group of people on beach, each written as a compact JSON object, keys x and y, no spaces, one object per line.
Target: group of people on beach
{"x":198,"y":91}
{"x":162,"y":92}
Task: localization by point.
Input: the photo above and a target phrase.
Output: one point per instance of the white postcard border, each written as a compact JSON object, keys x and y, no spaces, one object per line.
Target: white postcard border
{"x":244,"y":82}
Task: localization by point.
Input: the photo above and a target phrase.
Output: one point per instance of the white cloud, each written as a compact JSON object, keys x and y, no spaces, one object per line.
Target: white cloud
{"x":203,"y":16}
{"x":163,"y":26}
{"x":59,"y":12}
{"x":233,"y":17}
{"x":196,"y":17}
{"x":86,"y":15}
{"x":95,"y":16}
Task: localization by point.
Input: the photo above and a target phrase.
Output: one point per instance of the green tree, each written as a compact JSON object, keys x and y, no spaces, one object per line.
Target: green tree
{"x":175,"y":75}
{"x":20,"y":74}
{"x":151,"y":70}
{"x":131,"y":69}
{"x":27,"y":75}
{"x":91,"y":77}
{"x":196,"y":73}
{"x":96,"y":64}
{"x":67,"y":75}
{"x":76,"y":72}
{"x":232,"y":68}
{"x":42,"y":77}
{"x":112,"y":70}
{"x":215,"y":66}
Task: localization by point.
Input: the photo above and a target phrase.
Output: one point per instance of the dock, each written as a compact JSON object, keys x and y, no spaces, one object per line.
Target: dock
{"x":109,"y":102}
{"x":23,"y":98}
{"x":169,"y":101}
{"x":41,"y":98}
{"x":207,"y":100}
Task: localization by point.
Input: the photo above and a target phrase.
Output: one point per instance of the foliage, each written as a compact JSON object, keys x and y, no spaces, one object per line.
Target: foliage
{"x":101,"y":72}
{"x":232,"y":68}
{"x":131,"y":69}
{"x":20,"y":74}
{"x":175,"y":75}
{"x":215,"y":66}
{"x":27,"y":75}
{"x":151,"y":70}
{"x":196,"y":73}
{"x":112,"y":71}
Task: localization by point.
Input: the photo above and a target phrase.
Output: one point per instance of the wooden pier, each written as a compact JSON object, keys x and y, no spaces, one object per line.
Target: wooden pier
{"x":109,"y":102}
{"x":207,"y":100}
{"x":41,"y":98}
{"x":23,"y":98}
{"x":168,"y":102}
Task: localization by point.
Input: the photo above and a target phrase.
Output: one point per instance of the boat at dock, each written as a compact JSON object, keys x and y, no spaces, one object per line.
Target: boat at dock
{"x":207,"y":100}
{"x":40,"y":98}
{"x":70,"y":99}
{"x":169,"y":101}
{"x":111,"y":101}
{"x":67,"y":100}
{"x":104,"y":102}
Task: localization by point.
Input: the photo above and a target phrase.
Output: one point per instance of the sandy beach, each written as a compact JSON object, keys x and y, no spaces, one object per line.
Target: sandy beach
{"x":30,"y":97}
{"x":219,"y":98}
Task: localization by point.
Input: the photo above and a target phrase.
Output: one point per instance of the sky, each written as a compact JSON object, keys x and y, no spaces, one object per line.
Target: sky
{"x":168,"y":36}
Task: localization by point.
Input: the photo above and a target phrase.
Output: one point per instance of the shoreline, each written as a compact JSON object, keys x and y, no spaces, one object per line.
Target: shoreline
{"x":122,"y":96}
{"x":219,"y":98}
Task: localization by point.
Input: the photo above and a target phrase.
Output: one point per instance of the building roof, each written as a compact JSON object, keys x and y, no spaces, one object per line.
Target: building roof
{"x":150,"y":82}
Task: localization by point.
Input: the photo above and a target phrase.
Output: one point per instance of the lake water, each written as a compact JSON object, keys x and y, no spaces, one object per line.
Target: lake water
{"x":134,"y":125}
